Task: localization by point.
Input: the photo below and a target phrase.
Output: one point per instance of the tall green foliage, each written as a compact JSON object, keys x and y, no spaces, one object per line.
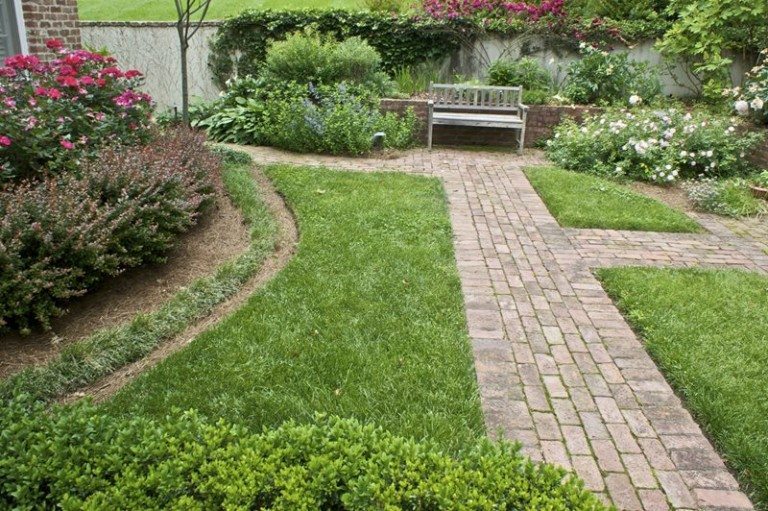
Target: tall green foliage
{"x":706,"y":31}
{"x":241,"y":43}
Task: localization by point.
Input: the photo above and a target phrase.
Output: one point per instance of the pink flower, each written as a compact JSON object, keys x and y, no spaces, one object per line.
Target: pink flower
{"x":5,"y":141}
{"x":132,"y":73}
{"x":54,"y":93}
{"x":54,"y":44}
{"x":66,"y":144}
{"x":9,"y":102}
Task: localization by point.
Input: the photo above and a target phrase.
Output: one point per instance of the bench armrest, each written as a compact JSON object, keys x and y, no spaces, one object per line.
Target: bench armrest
{"x":523,"y":107}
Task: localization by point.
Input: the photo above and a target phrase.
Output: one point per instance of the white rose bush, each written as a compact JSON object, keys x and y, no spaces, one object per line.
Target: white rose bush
{"x":752,"y":99}
{"x":660,"y":146}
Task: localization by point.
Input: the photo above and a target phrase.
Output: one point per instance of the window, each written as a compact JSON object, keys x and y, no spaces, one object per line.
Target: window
{"x":12,"y":37}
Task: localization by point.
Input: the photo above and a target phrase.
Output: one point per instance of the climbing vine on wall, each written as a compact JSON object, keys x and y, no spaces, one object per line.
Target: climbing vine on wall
{"x":241,"y":42}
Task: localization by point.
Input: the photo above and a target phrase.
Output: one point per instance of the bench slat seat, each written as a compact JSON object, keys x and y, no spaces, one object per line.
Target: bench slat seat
{"x":473,"y":119}
{"x":471,"y":105}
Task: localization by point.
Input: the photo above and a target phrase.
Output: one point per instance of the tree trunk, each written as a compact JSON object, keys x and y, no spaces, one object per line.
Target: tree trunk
{"x":184,"y":85}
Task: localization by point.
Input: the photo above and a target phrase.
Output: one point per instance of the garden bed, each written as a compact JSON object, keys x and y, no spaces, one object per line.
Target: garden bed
{"x":219,"y":236}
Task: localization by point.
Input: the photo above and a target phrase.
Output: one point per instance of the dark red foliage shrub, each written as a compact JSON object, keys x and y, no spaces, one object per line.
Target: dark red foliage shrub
{"x":62,"y":234}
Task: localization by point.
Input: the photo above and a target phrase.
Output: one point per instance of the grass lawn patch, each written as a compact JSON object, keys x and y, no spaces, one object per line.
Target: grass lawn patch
{"x":155,"y":10}
{"x":585,"y":201}
{"x":708,"y":331}
{"x":366,"y":321}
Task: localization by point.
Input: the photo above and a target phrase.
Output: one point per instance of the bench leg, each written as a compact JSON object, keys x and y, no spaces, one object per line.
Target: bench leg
{"x":429,"y":137}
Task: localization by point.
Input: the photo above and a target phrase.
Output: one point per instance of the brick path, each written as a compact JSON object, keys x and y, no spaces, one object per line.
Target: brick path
{"x":558,"y":367}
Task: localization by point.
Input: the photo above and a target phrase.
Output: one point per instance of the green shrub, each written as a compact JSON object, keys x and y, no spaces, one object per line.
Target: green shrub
{"x":526,"y":72}
{"x":604,"y":78}
{"x":729,"y":197}
{"x":63,"y":234}
{"x":311,"y":58}
{"x":77,"y":458}
{"x":240,"y":45}
{"x":662,"y":146}
{"x":338,"y":119}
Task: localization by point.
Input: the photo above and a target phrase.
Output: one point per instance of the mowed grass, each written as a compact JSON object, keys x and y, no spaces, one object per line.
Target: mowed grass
{"x":585,"y":201}
{"x":708,"y":331}
{"x":164,"y":10}
{"x":366,"y":321}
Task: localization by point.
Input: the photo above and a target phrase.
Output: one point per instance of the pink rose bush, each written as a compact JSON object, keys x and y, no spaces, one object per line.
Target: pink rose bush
{"x":57,"y":114}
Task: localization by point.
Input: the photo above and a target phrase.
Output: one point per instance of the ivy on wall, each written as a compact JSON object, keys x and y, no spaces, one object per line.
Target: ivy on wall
{"x":241,"y":43}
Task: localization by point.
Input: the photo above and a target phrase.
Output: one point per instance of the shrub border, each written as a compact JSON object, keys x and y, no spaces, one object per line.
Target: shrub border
{"x":106,"y":350}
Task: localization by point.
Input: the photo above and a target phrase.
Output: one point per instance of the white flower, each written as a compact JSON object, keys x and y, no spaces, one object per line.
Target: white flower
{"x":634,"y":99}
{"x":742,"y":107}
{"x":756,"y":104}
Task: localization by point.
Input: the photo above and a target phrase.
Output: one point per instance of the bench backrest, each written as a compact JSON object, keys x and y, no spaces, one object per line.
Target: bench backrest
{"x":447,"y":96}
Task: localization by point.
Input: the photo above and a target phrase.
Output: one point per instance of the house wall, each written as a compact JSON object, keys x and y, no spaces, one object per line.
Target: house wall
{"x":50,"y":19}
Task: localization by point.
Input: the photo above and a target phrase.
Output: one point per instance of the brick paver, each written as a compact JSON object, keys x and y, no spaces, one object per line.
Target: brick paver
{"x":558,"y":367}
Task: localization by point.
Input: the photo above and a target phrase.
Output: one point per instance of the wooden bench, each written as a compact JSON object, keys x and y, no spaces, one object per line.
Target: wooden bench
{"x":473,"y":105}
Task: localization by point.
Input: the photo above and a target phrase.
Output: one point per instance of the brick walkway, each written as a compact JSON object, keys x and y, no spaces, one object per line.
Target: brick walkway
{"x":558,"y":367}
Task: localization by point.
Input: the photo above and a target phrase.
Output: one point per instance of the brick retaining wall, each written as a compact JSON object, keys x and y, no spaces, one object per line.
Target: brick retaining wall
{"x":542,"y":120}
{"x":50,"y":19}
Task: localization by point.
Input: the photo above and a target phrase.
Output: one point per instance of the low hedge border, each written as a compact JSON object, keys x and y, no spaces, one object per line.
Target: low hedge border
{"x":77,"y":458}
{"x":86,"y":361}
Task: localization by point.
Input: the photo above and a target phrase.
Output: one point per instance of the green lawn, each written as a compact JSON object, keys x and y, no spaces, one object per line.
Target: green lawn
{"x":366,"y":321}
{"x":157,"y":10}
{"x":586,"y":201}
{"x":708,"y":331}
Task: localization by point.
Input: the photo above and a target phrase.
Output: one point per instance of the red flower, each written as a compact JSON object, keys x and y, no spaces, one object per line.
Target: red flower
{"x":67,"y":81}
{"x":54,"y":93}
{"x":132,"y":73}
{"x":5,"y":141}
{"x":54,"y":44}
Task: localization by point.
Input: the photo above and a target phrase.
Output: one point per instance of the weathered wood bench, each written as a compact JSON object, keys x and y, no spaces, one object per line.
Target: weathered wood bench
{"x":474,"y":105}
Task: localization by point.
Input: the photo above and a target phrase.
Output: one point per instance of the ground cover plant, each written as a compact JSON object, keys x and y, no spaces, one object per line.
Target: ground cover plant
{"x":83,"y":362}
{"x":366,"y":321}
{"x":707,"y":331}
{"x":726,"y":197}
{"x":585,"y":201}
{"x":661,"y":146}
{"x":77,"y":458}
{"x":64,"y":233}
{"x":57,"y":114}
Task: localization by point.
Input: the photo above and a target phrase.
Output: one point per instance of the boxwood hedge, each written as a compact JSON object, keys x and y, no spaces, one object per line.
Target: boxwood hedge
{"x":79,"y":458}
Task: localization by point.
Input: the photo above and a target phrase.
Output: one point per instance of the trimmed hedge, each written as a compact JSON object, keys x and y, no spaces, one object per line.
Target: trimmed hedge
{"x":77,"y":458}
{"x":63,"y":234}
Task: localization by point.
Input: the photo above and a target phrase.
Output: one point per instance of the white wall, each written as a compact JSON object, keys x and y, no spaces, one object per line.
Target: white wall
{"x":153,"y":49}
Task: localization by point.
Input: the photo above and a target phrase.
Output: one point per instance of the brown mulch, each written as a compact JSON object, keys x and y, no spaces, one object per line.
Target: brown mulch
{"x":219,"y":236}
{"x":285,"y":247}
{"x":673,"y":196}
